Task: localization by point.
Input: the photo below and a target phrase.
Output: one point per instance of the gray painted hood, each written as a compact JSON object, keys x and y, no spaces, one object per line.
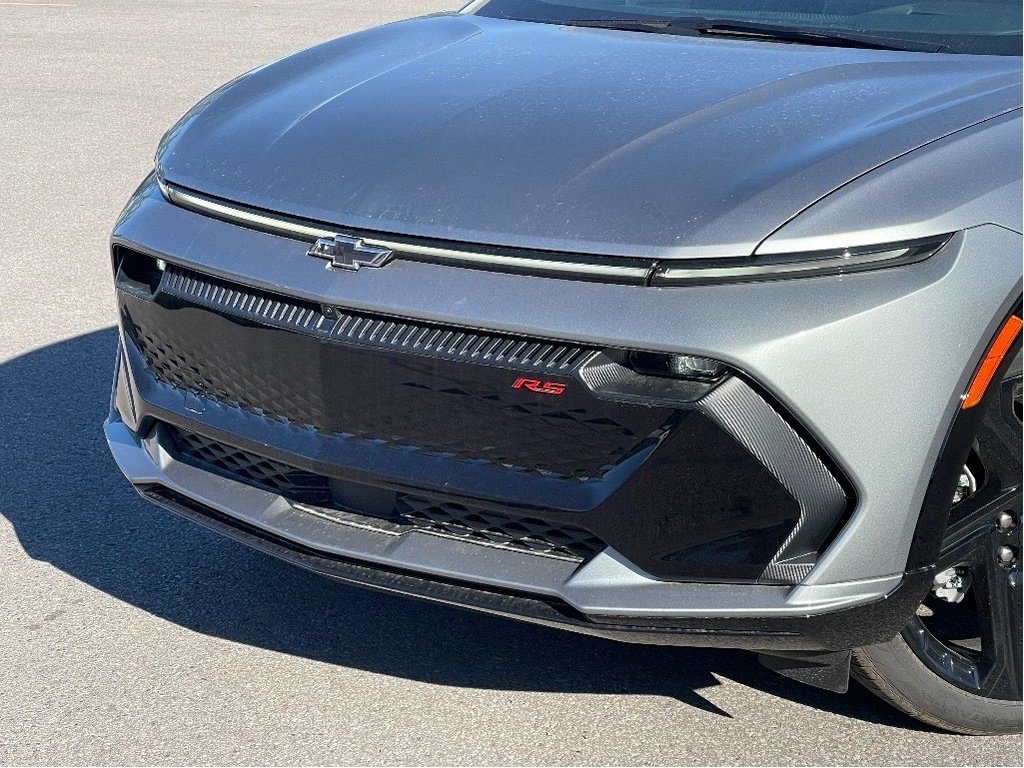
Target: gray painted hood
{"x":533,"y":135}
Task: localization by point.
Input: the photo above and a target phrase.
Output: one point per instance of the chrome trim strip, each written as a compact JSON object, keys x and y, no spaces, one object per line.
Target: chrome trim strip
{"x":518,"y":262}
{"x":243,"y":216}
{"x":670,"y":273}
{"x":656,"y":273}
{"x":295,"y":229}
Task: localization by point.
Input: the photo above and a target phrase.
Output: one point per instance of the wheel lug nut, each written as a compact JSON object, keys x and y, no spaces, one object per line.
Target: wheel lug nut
{"x":1006,"y":521}
{"x":1006,"y":555}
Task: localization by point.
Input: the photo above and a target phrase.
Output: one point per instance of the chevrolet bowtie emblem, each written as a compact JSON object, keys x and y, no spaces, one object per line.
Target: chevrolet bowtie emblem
{"x":343,"y":252}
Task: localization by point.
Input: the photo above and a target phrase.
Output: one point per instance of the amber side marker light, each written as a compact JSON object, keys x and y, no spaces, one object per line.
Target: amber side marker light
{"x":989,"y":366}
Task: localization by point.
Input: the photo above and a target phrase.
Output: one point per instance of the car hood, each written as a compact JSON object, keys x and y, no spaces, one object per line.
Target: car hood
{"x":538,"y":136}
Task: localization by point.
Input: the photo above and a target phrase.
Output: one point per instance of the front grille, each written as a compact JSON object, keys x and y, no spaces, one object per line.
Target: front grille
{"x":477,"y":524}
{"x":505,"y":440}
{"x":407,"y":384}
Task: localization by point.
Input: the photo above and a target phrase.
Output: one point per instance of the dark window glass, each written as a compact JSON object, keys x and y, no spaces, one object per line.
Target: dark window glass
{"x":953,"y":26}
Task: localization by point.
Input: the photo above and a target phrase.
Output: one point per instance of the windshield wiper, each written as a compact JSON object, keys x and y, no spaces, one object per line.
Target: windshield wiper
{"x":760,"y":31}
{"x":653,"y":24}
{"x":690,"y":25}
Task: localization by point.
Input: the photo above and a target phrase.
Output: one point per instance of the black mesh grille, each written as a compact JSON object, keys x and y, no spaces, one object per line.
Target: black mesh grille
{"x":218,"y":369}
{"x":449,"y":392}
{"x":526,"y":533}
{"x":529,"y":534}
{"x":529,"y":436}
{"x":250,"y":468}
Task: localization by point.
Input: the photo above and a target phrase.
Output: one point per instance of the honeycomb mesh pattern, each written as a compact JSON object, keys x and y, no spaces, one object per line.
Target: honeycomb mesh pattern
{"x":278,"y":367}
{"x":524,"y":534}
{"x":218,"y":369}
{"x":527,"y":534}
{"x":249,"y":468}
{"x":525,"y":437}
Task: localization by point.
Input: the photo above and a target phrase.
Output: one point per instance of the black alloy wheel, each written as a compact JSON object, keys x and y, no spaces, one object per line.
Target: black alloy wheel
{"x":958,"y":663}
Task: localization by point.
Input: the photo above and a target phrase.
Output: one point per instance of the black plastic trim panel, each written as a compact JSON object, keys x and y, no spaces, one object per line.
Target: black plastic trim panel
{"x":386,"y":510}
{"x":377,"y":331}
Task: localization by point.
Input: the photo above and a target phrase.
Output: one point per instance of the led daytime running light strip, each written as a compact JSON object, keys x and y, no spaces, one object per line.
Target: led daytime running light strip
{"x":640,"y":271}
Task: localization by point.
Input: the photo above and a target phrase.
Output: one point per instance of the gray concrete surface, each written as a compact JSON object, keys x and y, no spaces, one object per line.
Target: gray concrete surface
{"x":127,"y":636}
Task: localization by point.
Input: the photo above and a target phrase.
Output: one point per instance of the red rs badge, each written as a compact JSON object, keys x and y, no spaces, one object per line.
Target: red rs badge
{"x":541,"y":387}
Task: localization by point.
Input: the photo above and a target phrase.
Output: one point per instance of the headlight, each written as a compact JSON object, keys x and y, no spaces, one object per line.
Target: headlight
{"x":798,"y":265}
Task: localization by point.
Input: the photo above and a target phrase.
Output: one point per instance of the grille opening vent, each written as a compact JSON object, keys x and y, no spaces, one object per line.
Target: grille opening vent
{"x":249,"y":468}
{"x":371,"y":330}
{"x":528,"y":534}
{"x":476,"y":524}
{"x":136,"y":271}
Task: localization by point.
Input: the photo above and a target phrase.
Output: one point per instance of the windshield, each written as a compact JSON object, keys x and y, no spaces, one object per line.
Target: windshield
{"x":955,"y":26}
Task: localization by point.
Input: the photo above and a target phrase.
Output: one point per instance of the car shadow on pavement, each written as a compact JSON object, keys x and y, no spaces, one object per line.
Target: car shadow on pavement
{"x":70,"y":506}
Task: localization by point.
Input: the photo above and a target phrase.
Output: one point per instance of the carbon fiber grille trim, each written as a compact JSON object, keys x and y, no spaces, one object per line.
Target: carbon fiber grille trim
{"x":476,"y":524}
{"x":763,"y":431}
{"x":352,"y":327}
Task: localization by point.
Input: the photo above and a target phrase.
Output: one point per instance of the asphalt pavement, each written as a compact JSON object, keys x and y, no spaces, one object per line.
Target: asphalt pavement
{"x":129,"y":636}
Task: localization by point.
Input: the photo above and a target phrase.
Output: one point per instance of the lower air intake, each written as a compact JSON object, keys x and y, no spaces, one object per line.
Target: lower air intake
{"x":528,"y":534}
{"x":447,"y":518}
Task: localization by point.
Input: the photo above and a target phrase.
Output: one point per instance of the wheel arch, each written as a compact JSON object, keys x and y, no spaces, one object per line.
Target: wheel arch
{"x":956,"y":444}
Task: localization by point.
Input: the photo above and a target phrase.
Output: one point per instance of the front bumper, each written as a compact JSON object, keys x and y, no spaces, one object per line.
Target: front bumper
{"x":822,"y":356}
{"x":605,"y":597}
{"x":231,"y":483}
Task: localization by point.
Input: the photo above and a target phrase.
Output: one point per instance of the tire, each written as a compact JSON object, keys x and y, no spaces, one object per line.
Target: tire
{"x":957,"y":665}
{"x":895,"y":673}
